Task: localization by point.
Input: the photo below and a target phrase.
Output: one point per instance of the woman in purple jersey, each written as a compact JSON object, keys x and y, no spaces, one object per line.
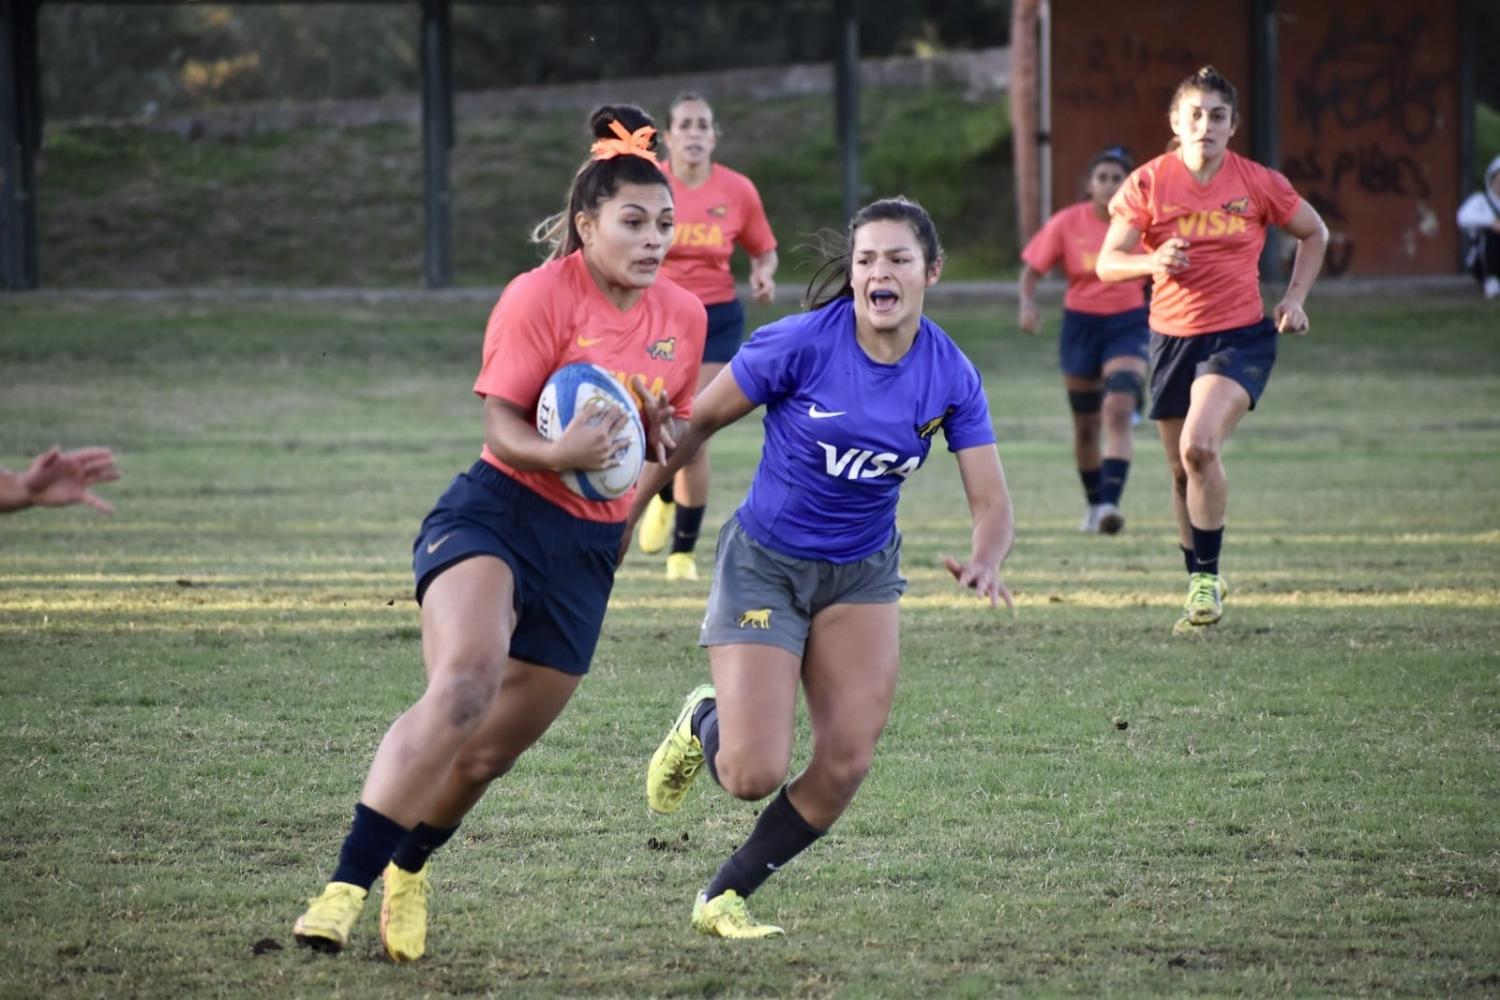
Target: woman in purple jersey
{"x":807,"y":573}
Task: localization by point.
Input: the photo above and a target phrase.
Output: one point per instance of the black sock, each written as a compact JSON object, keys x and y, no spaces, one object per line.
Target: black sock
{"x":685,"y":531}
{"x":1093,"y":483}
{"x":665,"y":496}
{"x":1187,"y":559}
{"x":1112,"y":475}
{"x":372,"y":839}
{"x":780,"y":834}
{"x":419,"y":845}
{"x":706,"y":727}
{"x":1206,"y":545}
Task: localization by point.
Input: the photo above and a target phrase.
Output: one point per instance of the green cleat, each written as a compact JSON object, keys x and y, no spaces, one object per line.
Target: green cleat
{"x":403,"y":913}
{"x":330,"y":917}
{"x":679,"y":758}
{"x":726,"y":916}
{"x":656,"y":525}
{"x":1205,"y":600}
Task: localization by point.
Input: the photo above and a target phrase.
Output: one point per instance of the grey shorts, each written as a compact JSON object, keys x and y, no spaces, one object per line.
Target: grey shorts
{"x":761,"y":596}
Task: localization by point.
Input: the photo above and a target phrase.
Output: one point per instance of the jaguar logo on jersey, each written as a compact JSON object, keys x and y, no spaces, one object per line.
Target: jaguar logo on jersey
{"x":862,"y":463}
{"x":1240,"y":206}
{"x":928,"y":428}
{"x":719,"y":211}
{"x":663,"y":350}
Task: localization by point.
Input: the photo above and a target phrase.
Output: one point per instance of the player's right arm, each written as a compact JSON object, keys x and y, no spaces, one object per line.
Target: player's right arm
{"x":1118,"y":260}
{"x":586,"y":443}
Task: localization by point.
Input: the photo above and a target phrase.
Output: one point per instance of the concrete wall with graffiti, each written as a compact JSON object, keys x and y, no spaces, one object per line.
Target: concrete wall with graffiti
{"x":1368,"y":109}
{"x":1369,"y":115}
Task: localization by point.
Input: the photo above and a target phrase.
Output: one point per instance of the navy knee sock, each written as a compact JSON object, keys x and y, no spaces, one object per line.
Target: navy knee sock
{"x":372,"y":839}
{"x":1187,"y":558}
{"x":705,"y":726}
{"x":780,"y":834}
{"x":1206,"y":545}
{"x":1112,"y":475}
{"x":419,"y":845}
{"x":685,"y":530}
{"x":1093,"y":484}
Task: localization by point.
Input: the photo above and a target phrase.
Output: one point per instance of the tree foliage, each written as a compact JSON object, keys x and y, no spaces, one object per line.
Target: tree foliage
{"x":126,"y":59}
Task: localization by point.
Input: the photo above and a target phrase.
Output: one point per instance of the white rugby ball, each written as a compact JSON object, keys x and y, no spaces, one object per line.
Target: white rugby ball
{"x":578,"y":388}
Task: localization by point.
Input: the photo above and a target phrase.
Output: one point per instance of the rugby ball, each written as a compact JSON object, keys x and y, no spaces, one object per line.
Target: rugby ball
{"x":585,"y":388}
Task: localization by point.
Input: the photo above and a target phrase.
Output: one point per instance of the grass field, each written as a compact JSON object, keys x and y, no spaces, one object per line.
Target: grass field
{"x":1066,"y":800}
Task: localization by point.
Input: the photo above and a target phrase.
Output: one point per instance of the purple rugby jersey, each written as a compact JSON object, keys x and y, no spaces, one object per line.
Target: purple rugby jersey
{"x":844,"y":431}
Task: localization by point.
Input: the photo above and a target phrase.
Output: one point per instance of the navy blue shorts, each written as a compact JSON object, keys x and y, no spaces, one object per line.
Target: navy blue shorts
{"x":1090,"y":339}
{"x":1244,"y":354}
{"x":726,"y":328}
{"x":564,"y":566}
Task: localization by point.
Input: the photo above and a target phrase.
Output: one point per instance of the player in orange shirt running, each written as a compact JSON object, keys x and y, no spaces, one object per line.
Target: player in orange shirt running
{"x":1103,"y":340}
{"x":513,"y":570}
{"x":717,"y":210}
{"x":1201,"y":212}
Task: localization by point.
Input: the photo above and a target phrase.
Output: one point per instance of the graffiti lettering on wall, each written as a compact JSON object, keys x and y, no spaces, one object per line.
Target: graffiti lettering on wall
{"x":1369,"y":166}
{"x":1367,"y":74}
{"x":1368,"y":103}
{"x":1107,"y":74}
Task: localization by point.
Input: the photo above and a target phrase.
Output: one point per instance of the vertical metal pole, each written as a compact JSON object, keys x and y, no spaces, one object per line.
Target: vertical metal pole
{"x":1467,"y":49}
{"x":437,"y":137}
{"x":1265,"y":129}
{"x":20,"y":135}
{"x":1044,"y":107}
{"x":846,"y":79}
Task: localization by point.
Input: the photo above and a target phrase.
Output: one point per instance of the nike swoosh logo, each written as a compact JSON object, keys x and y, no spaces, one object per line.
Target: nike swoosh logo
{"x":772,"y":867}
{"x":817,"y":414}
{"x":588,"y":342}
{"x":434,"y":546}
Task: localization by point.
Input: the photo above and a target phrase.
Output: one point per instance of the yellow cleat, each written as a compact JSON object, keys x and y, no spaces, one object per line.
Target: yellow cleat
{"x":680,"y":566}
{"x":679,"y":758}
{"x":403,"y":913}
{"x":656,"y":525}
{"x":1205,"y":600}
{"x":725,"y":916}
{"x":330,"y":917}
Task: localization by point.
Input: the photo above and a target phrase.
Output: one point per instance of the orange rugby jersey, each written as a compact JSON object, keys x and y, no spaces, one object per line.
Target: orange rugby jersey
{"x":555,"y":315}
{"x":712,"y":218}
{"x":1224,"y":222}
{"x":1073,"y":237}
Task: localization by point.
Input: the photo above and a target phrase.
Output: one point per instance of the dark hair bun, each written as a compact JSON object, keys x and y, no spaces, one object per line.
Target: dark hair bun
{"x":631,"y":116}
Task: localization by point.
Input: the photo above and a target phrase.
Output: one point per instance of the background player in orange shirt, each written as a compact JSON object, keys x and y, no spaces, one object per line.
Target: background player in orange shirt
{"x":513,"y":570}
{"x":717,"y":209}
{"x":1102,"y":344}
{"x":1201,"y":212}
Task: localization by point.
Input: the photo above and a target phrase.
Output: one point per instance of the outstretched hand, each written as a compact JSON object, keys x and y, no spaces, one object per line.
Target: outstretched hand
{"x":57,"y":478}
{"x":656,"y":412}
{"x":983,"y":580}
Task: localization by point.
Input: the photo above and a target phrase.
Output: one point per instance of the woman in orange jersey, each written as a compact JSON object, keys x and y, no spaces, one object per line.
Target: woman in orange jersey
{"x":1201,"y":212}
{"x":717,"y":210}
{"x":1103,"y":340}
{"x":513,"y":570}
